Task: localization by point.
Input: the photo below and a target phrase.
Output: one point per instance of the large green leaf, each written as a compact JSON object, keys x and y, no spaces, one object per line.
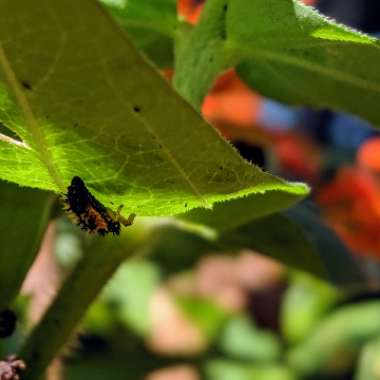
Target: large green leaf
{"x":292,"y":53}
{"x":84,"y":102}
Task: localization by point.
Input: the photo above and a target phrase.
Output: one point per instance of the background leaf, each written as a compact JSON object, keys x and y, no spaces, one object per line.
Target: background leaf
{"x":295,"y":55}
{"x":286,"y":51}
{"x":151,"y":25}
{"x":337,"y":340}
{"x":306,"y":301}
{"x":24,"y":218}
{"x":369,"y":361}
{"x":301,"y":243}
{"x":242,"y":340}
{"x":219,"y":369}
{"x":133,"y":285}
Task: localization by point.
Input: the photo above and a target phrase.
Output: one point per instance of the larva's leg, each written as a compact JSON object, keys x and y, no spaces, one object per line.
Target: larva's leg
{"x":127,"y":221}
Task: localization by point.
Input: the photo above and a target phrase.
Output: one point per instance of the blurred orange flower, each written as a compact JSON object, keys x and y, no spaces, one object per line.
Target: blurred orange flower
{"x":231,"y":102}
{"x":368,"y":156}
{"x":352,"y":207}
{"x":297,"y":155}
{"x":190,"y":10}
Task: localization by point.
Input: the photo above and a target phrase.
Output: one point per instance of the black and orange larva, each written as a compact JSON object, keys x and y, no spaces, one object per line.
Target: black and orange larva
{"x":88,"y":213}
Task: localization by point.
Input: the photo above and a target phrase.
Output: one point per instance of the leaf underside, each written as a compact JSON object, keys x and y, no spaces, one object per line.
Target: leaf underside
{"x":84,"y":102}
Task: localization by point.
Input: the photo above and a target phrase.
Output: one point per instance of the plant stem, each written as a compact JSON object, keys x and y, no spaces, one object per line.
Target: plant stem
{"x":77,"y":293}
{"x":200,"y":53}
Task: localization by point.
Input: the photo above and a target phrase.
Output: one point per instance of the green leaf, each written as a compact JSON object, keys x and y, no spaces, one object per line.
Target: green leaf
{"x":242,"y":340}
{"x":285,"y":50}
{"x":369,"y":361}
{"x":341,"y":266}
{"x":132,"y":288}
{"x":297,"y":239}
{"x":300,"y":242}
{"x":291,"y":53}
{"x":85,"y":103}
{"x":122,"y":302}
{"x":24,"y":218}
{"x":221,"y":369}
{"x":306,"y":301}
{"x":150,"y":24}
{"x":205,"y":314}
{"x":333,"y":346}
{"x":239,"y":212}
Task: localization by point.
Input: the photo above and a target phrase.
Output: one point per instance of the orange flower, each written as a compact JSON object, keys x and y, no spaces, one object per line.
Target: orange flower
{"x":368,"y":156}
{"x":352,"y":208}
{"x":297,"y":155}
{"x":231,"y":102}
{"x":190,"y":10}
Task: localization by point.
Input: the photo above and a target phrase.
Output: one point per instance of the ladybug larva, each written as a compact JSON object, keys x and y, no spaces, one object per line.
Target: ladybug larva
{"x":88,"y":213}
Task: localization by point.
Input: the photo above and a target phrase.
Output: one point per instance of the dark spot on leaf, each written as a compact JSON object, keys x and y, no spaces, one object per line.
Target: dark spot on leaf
{"x":225,"y":8}
{"x":137,"y":109}
{"x":221,"y":167}
{"x":26,"y":85}
{"x":160,"y":146}
{"x":185,"y":204}
{"x":76,"y":124}
{"x":211,"y":59}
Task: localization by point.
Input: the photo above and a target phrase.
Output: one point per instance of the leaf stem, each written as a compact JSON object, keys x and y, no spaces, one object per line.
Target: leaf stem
{"x":200,"y":54}
{"x":79,"y":290}
{"x":35,"y":130}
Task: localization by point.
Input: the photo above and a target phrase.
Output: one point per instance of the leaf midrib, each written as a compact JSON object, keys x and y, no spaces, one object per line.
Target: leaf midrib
{"x":40,"y":144}
{"x":253,"y":52}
